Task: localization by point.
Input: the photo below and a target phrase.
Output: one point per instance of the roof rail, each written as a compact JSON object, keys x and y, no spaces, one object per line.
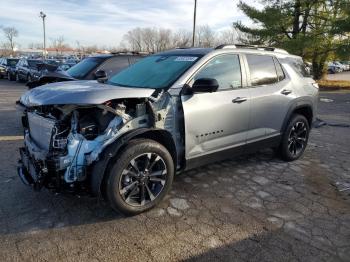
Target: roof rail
{"x":256,"y":47}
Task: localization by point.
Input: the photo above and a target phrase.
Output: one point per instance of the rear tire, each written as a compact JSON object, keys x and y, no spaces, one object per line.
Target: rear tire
{"x":140,"y":177}
{"x":294,"y":138}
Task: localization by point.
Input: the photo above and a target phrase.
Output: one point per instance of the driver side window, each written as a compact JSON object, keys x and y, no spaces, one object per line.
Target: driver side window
{"x":225,"y":69}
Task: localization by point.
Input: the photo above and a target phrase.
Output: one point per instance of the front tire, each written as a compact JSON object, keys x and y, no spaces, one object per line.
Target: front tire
{"x":140,"y":178}
{"x":295,"y":138}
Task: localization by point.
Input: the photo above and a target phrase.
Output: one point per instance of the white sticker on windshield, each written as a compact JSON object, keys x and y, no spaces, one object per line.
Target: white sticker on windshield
{"x":186,"y":58}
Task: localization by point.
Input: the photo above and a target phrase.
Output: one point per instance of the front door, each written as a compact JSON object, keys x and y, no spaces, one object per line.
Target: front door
{"x":219,"y":120}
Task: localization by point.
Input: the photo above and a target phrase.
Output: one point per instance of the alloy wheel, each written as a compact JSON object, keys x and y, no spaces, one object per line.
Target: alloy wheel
{"x":297,"y":138}
{"x":144,"y":178}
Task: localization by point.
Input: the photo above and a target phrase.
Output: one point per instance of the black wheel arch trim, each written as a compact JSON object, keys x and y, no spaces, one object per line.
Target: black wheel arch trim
{"x":99,"y":168}
{"x":299,"y":103}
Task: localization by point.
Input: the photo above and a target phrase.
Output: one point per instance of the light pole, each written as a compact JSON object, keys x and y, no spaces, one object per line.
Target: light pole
{"x":43,"y":16}
{"x":194,"y":22}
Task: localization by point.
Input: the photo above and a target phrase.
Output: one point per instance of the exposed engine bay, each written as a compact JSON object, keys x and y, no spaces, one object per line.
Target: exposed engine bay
{"x":61,"y":142}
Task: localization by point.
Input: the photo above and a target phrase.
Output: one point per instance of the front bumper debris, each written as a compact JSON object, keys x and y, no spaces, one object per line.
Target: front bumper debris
{"x":29,"y":172}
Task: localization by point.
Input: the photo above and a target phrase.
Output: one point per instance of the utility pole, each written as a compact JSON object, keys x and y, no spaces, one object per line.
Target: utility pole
{"x":194,"y":22}
{"x":43,"y":16}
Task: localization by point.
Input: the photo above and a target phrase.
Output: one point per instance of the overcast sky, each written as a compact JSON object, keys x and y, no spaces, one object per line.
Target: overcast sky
{"x":105,"y":22}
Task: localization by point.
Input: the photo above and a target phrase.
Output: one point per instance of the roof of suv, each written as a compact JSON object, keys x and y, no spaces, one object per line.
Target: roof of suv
{"x":223,"y":48}
{"x":188,"y":51}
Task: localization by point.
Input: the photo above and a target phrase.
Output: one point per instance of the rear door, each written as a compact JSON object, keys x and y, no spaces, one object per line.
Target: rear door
{"x":271,"y":94}
{"x":219,"y":120}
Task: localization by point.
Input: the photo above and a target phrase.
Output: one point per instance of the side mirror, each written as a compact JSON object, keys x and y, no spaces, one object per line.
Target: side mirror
{"x":205,"y":85}
{"x":100,"y":74}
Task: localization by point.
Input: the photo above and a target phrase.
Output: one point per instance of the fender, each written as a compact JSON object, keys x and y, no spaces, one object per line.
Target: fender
{"x":300,"y":102}
{"x":99,"y":168}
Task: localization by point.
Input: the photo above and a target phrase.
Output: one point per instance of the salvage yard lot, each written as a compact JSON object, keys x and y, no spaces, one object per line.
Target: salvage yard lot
{"x":253,"y":208}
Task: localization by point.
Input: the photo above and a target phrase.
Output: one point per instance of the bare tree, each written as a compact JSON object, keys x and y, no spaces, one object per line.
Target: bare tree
{"x":91,"y":49}
{"x":134,"y":38}
{"x":58,"y":44}
{"x":163,"y":39}
{"x":5,"y":50}
{"x":149,"y":39}
{"x":122,"y":47}
{"x":182,"y":38}
{"x":205,"y":36}
{"x":159,"y":39}
{"x":10,"y":34}
{"x":80,"y":50}
{"x":228,"y":36}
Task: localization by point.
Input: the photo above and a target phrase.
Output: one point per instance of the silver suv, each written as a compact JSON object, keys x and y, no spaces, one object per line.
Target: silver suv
{"x":126,"y":138}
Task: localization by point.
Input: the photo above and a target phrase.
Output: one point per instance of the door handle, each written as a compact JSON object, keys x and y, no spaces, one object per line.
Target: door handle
{"x":286,"y":92}
{"x":239,"y":99}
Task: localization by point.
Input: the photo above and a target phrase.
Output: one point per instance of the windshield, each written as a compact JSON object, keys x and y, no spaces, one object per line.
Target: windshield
{"x":33,"y":63}
{"x":12,"y":62}
{"x":158,"y":71}
{"x":81,"y":69}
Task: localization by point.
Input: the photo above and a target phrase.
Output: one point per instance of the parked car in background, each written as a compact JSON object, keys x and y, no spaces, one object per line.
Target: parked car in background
{"x":8,"y":67}
{"x":90,"y":68}
{"x":65,"y":65}
{"x":55,"y":62}
{"x":346,"y":65}
{"x":71,"y":61}
{"x":334,"y":68}
{"x":340,"y":65}
{"x":27,"y":70}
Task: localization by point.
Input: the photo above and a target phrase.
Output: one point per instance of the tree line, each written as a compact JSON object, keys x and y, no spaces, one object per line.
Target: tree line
{"x":154,"y":39}
{"x":317,"y":30}
{"x":9,"y":45}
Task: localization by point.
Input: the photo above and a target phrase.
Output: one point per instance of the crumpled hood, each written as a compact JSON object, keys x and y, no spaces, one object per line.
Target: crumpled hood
{"x":80,"y":93}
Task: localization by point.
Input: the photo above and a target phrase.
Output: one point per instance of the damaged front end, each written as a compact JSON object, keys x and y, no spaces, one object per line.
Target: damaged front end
{"x":61,"y":142}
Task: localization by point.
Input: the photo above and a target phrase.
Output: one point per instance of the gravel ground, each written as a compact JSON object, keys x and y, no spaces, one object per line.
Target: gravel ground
{"x":252,"y":208}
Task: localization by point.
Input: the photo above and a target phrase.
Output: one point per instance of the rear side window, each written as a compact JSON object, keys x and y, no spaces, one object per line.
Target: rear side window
{"x":116,"y":64}
{"x":299,"y":66}
{"x":262,"y":70}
